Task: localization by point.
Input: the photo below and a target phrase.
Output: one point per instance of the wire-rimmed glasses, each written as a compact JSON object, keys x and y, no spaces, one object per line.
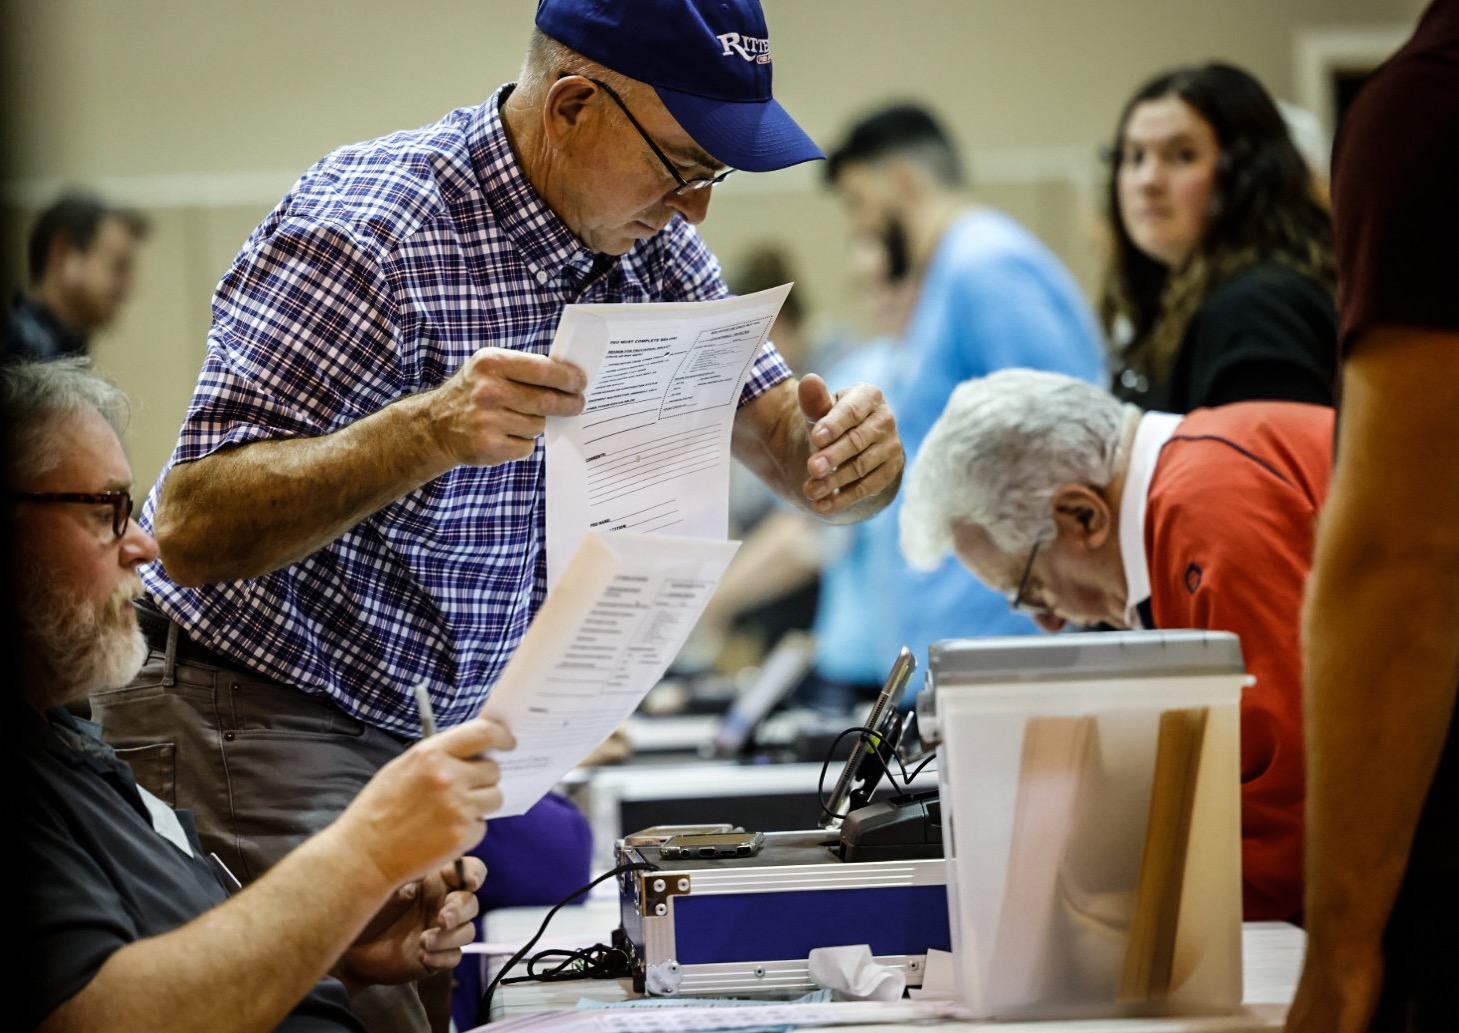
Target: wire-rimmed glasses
{"x":685,"y":185}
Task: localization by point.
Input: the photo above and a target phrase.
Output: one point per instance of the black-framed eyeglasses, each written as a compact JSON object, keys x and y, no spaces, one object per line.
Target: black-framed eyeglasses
{"x":1016,"y":601}
{"x":685,"y":185}
{"x":119,"y":501}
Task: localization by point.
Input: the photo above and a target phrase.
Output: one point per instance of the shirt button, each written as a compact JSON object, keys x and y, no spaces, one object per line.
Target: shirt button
{"x":543,"y":276}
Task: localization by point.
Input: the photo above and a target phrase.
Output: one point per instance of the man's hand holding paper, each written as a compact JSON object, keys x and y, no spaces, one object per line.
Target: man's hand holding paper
{"x":496,"y":405}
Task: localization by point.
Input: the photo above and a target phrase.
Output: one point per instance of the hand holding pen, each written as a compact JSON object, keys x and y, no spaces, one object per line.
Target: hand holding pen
{"x":428,"y":729}
{"x":406,"y":833}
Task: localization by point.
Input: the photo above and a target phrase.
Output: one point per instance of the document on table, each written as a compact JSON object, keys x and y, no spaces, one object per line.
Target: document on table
{"x":603,"y":638}
{"x":738,"y":1015}
{"x":651,"y":451}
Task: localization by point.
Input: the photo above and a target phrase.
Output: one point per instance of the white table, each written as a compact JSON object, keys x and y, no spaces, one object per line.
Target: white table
{"x":1272,"y":954}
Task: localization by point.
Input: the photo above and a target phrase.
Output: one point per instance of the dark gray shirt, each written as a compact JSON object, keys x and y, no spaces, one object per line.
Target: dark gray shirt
{"x":97,"y":874}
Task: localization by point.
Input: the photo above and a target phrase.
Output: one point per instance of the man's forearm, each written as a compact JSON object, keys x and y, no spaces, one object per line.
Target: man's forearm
{"x":242,"y":965}
{"x":245,"y":511}
{"x":780,"y":554}
{"x":1381,"y":660}
{"x":1380,"y":649}
{"x":1376,"y":688}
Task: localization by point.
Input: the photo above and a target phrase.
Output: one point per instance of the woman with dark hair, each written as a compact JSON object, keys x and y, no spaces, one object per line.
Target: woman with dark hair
{"x":1221,"y":283}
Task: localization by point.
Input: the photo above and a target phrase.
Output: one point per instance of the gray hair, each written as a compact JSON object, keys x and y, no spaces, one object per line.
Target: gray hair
{"x":34,"y":396}
{"x":997,"y":453}
{"x":547,"y":60}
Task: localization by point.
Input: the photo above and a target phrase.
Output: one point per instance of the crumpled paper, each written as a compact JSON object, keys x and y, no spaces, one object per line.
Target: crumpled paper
{"x":852,"y":974}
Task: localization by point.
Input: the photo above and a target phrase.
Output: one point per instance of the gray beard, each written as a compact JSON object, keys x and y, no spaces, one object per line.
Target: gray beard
{"x":74,"y":650}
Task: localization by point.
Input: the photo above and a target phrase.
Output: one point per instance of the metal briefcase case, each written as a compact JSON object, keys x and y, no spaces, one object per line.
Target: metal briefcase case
{"x":746,"y":925}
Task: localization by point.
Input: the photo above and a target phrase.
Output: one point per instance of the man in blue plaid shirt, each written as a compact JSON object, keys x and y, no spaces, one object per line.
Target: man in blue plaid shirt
{"x":355,"y":503}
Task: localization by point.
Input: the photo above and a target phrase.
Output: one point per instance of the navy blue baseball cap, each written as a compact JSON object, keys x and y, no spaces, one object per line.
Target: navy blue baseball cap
{"x":709,"y":62}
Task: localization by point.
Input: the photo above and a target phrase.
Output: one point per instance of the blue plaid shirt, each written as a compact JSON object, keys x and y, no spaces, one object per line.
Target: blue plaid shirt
{"x":386,"y":266}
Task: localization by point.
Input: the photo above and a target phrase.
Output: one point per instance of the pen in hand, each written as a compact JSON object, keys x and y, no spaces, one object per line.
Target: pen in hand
{"x":428,"y":729}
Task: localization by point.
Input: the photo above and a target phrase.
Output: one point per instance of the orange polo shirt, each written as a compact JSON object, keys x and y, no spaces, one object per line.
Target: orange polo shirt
{"x":1229,"y":530}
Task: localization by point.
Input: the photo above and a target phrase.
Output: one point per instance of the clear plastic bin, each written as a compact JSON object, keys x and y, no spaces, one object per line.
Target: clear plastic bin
{"x":1091,"y":821}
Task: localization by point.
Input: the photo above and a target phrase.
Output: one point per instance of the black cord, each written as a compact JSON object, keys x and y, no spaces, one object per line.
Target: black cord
{"x":870,"y":737}
{"x":908,"y":779}
{"x":483,"y":1010}
{"x":600,"y":961}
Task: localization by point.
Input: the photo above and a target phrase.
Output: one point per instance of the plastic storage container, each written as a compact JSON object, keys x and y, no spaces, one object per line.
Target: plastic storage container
{"x":1091,"y":805}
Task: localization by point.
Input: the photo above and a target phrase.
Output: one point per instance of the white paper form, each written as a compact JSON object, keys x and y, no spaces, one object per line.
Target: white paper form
{"x":669,"y":1016}
{"x":651,"y":450}
{"x":603,"y":638}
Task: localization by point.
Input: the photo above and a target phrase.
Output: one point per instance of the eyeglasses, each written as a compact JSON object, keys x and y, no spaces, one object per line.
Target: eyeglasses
{"x":119,"y":501}
{"x":685,"y":185}
{"x":1016,"y":601}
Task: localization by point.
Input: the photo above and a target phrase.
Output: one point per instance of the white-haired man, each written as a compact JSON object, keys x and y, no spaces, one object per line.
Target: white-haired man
{"x":1082,"y":509}
{"x":124,"y":923}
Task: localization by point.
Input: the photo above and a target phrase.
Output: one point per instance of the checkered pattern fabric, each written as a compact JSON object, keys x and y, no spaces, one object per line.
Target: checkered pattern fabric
{"x":384,"y":268}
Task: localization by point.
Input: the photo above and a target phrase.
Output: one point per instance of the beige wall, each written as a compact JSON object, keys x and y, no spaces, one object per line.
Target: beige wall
{"x":203,"y":112}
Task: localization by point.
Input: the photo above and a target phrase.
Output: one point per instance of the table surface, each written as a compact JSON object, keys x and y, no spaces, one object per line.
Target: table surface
{"x":1272,"y":958}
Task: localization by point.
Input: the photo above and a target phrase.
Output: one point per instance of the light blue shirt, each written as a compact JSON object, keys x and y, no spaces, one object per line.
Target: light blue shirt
{"x":992,"y":297}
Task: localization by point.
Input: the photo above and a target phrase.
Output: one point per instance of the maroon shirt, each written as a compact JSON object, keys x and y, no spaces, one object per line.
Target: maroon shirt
{"x":1394,"y":195}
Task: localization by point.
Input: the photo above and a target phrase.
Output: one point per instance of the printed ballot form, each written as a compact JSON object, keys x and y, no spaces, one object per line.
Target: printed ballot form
{"x":637,"y":518}
{"x":651,"y":450}
{"x":603,"y":638}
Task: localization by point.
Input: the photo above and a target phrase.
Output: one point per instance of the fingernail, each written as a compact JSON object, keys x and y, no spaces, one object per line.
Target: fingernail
{"x":820,"y":466}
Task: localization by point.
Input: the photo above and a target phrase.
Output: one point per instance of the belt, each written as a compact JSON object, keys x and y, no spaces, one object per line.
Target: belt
{"x":154,"y":624}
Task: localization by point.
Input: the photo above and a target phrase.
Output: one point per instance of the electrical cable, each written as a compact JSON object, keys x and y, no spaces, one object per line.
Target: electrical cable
{"x":483,"y":1010}
{"x":871,"y":740}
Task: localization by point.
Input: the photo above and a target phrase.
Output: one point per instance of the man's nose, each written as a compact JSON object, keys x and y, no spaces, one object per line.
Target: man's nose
{"x":693,"y":205}
{"x":138,"y":546}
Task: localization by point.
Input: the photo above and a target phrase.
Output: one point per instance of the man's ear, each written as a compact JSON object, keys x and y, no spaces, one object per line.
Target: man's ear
{"x":1082,"y":515}
{"x":63,"y":255}
{"x":565,"y":109}
{"x":908,"y":177}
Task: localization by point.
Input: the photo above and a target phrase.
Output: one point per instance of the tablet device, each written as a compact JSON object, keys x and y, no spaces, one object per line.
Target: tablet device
{"x":873,"y":749}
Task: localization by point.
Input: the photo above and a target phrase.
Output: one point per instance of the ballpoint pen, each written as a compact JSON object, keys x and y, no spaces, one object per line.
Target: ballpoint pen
{"x":428,"y":729}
